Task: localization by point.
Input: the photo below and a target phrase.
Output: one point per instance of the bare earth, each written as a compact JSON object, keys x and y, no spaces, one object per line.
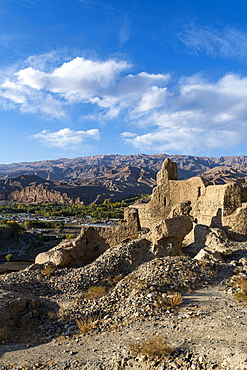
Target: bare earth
{"x":208,"y":331}
{"x":209,"y":324}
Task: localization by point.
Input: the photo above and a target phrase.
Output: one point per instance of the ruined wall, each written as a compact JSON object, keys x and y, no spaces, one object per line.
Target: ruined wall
{"x":236,"y":223}
{"x":92,"y":242}
{"x":211,"y":205}
{"x":159,"y":206}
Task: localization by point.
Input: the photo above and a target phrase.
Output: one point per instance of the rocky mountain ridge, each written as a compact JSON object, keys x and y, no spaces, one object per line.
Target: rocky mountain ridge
{"x":93,"y":179}
{"x":115,"y":185}
{"x":98,"y":166}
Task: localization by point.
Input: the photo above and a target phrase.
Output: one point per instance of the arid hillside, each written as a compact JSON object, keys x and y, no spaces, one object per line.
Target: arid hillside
{"x":100,"y":165}
{"x":93,"y":179}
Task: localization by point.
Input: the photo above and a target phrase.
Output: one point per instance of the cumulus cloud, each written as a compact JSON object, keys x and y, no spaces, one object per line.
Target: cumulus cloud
{"x":78,"y":78}
{"x":66,"y":138}
{"x":192,"y":114}
{"x":13,"y":94}
{"x":155,"y":97}
{"x":202,"y":116}
{"x":75,"y":81}
{"x":83,"y":81}
{"x":227,"y":42}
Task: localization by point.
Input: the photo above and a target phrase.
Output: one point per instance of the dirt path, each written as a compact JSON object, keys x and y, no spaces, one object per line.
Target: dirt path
{"x":209,"y":325}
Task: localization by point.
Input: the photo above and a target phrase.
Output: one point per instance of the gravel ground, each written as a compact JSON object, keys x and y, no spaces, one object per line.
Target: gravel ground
{"x":206,"y":331}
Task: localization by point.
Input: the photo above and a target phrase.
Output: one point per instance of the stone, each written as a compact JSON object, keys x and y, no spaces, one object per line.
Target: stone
{"x":168,"y":234}
{"x":57,"y":257}
{"x":207,"y":255}
{"x":92,"y":242}
{"x":34,"y":266}
{"x":214,"y":239}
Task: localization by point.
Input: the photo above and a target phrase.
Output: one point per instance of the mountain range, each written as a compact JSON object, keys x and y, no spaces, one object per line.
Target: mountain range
{"x":92,"y":179}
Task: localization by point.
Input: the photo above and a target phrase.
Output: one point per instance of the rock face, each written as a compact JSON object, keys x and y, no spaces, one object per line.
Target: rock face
{"x":115,"y":185}
{"x":39,"y":194}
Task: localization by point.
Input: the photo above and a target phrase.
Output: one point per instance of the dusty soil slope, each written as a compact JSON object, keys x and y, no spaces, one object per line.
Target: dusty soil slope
{"x":206,"y":331}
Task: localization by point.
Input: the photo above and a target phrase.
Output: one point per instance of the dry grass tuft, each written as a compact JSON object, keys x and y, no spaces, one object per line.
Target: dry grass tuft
{"x":95,"y":292}
{"x":111,"y":282}
{"x":53,"y":315}
{"x":87,"y":325}
{"x":155,"y":347}
{"x":175,"y":300}
{"x":241,"y":297}
{"x":48,"y":270}
{"x":241,"y":283}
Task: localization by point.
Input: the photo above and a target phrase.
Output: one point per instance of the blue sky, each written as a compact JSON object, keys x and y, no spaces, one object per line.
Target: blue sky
{"x":88,"y":77}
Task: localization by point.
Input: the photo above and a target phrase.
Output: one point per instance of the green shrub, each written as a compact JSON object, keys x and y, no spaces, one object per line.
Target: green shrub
{"x":9,"y":257}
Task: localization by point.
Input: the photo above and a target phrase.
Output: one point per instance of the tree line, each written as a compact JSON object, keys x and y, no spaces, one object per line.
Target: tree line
{"x":105,"y":210}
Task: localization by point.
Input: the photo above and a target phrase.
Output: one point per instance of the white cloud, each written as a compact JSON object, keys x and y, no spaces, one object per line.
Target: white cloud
{"x":78,"y":78}
{"x":14,"y":92}
{"x":228,"y":42}
{"x":189,"y":115}
{"x":76,"y":81}
{"x":182,"y":140}
{"x":66,"y":138}
{"x":125,"y":34}
{"x":135,"y":94}
{"x":128,"y":134}
{"x":32,"y":78}
{"x":30,"y":101}
{"x":155,"y":97}
{"x":53,"y":91}
{"x":202,"y":116}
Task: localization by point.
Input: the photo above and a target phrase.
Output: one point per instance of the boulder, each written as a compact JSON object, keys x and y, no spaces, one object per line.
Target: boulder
{"x":59,"y":257}
{"x":12,"y":305}
{"x":207,"y":255}
{"x":168,"y":234}
{"x":215,"y":239}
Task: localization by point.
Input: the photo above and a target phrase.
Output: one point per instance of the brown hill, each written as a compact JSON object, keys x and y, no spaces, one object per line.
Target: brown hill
{"x":98,"y":166}
{"x":115,"y":184}
{"x":89,"y":179}
{"x":224,"y":174}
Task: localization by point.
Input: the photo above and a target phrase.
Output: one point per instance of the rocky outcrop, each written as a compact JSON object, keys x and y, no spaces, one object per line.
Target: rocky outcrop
{"x":16,"y":312}
{"x":115,"y":185}
{"x":92,"y":242}
{"x":168,"y":234}
{"x":39,"y":194}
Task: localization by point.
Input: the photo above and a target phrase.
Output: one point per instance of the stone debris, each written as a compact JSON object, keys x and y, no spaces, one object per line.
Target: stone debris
{"x":136,"y":291}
